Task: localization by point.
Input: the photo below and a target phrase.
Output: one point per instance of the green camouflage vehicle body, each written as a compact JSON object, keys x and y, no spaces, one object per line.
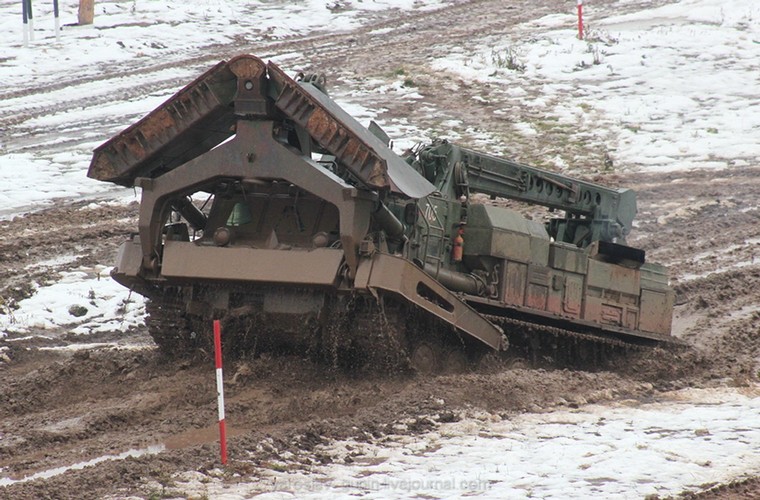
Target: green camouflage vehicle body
{"x":266,"y":205}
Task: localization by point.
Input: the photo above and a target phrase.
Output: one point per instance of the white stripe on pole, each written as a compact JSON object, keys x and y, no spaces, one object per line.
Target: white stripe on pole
{"x":31,"y":19}
{"x":220,"y":389}
{"x":220,"y":393}
{"x":57,"y":22}
{"x":25,"y":15}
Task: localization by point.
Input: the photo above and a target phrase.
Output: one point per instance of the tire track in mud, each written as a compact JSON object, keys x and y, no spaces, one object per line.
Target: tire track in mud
{"x":208,"y":55}
{"x":410,"y":34}
{"x":406,"y":40}
{"x":123,"y":79}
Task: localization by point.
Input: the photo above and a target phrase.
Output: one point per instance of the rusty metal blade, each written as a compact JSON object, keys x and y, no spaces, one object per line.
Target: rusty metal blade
{"x":191,"y":122}
{"x":366,"y":157}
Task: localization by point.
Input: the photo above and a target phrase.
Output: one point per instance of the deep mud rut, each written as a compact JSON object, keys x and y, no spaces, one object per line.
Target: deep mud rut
{"x":61,"y":407}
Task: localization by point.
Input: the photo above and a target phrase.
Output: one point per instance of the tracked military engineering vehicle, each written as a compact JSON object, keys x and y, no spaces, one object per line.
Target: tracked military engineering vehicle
{"x":266,"y":205}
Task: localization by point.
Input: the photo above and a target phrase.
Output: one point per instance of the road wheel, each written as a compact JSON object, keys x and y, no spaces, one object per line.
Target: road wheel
{"x":426,"y":358}
{"x":455,"y":361}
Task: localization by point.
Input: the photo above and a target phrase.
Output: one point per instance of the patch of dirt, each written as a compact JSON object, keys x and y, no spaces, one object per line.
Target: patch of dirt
{"x":36,"y":247}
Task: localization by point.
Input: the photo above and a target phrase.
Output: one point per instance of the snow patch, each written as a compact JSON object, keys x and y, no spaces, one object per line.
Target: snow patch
{"x":85,"y":301}
{"x":688,"y":441}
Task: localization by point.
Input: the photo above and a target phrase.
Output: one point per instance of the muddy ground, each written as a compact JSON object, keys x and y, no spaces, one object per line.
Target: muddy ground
{"x":59,"y":407}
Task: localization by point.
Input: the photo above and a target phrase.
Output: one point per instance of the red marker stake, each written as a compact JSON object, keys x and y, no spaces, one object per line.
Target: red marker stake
{"x":580,"y":19}
{"x":220,"y":388}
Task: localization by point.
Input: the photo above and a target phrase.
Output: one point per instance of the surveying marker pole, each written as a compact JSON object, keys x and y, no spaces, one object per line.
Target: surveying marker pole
{"x":25,"y":15}
{"x":31,"y":19}
{"x":580,"y":19}
{"x":57,"y":22}
{"x":220,"y":388}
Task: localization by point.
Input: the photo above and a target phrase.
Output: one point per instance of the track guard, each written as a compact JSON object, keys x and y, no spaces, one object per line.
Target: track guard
{"x":399,"y":276}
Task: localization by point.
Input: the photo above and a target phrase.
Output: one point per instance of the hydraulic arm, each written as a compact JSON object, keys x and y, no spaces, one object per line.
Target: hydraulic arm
{"x":592,"y":212}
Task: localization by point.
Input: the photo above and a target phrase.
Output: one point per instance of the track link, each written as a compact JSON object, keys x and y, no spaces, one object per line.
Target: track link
{"x":167,"y":324}
{"x":561,"y":346}
{"x":509,"y":324}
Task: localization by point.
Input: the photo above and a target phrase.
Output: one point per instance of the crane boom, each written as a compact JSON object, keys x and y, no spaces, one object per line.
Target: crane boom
{"x":592,"y":212}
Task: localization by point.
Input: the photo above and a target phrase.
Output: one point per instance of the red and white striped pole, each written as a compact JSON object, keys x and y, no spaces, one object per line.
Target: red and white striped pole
{"x":220,"y":388}
{"x":580,"y":19}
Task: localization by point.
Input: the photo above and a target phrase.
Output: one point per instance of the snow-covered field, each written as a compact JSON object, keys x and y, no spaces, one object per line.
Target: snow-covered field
{"x":628,"y":450}
{"x":677,"y":87}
